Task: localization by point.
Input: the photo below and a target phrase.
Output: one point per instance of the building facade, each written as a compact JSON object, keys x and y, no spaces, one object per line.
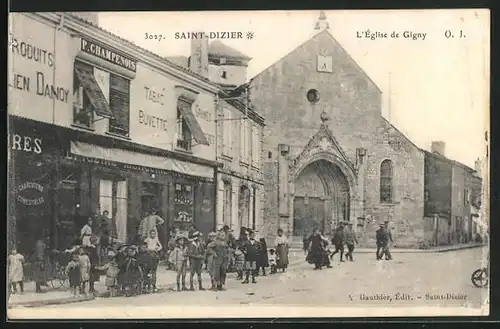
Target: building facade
{"x":239,"y":139}
{"x":452,"y":199}
{"x":329,"y":155}
{"x":97,"y":123}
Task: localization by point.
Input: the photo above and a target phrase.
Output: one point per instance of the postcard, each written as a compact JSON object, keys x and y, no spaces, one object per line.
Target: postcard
{"x":257,"y":164}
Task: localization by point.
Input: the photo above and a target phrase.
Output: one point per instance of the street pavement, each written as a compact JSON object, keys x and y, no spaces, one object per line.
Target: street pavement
{"x":431,"y":279}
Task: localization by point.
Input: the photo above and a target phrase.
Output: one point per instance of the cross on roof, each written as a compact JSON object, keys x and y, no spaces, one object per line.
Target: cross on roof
{"x":321,"y":23}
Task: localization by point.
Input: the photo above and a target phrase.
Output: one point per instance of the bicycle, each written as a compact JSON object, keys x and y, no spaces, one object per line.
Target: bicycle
{"x":59,"y":280}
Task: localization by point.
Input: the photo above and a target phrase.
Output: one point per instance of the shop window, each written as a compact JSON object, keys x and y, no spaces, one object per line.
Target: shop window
{"x":386,"y":176}
{"x":150,"y":197}
{"x":184,"y":204}
{"x":100,"y":94}
{"x":113,"y":198}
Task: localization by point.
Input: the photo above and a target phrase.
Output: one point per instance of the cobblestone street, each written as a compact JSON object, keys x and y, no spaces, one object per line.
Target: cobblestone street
{"x":417,"y":277}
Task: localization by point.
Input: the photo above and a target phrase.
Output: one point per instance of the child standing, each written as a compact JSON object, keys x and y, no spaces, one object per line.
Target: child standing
{"x":133,"y":273}
{"x":262,"y":261}
{"x":16,"y":271}
{"x":305,"y":243}
{"x":84,"y":262}
{"x":73,"y":273}
{"x":272,"y":260}
{"x":251,"y":250}
{"x":239,"y":262}
{"x":112,"y":271}
{"x":179,"y":259}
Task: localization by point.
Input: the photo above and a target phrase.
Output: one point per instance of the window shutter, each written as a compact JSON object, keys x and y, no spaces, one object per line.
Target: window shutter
{"x":119,"y":101}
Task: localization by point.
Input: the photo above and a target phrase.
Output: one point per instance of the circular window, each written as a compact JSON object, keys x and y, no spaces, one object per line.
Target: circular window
{"x":313,"y":96}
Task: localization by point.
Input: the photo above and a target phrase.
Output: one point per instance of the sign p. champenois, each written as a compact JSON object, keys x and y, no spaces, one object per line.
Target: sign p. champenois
{"x":103,"y":52}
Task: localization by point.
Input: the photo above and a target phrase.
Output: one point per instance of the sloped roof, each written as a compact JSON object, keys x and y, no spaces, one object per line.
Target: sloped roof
{"x":218,"y":48}
{"x":179,"y":60}
{"x":144,"y":50}
{"x":323,"y":32}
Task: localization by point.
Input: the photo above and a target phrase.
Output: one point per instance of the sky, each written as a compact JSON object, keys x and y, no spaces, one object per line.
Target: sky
{"x":434,"y":89}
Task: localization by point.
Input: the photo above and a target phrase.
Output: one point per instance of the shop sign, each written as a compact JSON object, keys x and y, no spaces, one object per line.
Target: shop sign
{"x":28,"y":194}
{"x":26,"y":144}
{"x":107,"y":54}
{"x":37,"y":83}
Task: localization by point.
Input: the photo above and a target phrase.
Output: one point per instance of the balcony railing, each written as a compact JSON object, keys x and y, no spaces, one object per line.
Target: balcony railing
{"x":184,"y":144}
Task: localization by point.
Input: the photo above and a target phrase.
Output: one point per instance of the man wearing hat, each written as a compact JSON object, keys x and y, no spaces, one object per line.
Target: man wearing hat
{"x":196,"y":253}
{"x":382,"y":240}
{"x":338,"y":241}
{"x":350,"y":241}
{"x":388,"y":233}
{"x":251,"y":251}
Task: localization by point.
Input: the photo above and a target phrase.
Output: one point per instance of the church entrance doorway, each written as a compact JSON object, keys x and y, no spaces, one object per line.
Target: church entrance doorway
{"x":321,"y":198}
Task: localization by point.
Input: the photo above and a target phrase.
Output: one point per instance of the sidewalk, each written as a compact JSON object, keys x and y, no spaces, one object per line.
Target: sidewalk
{"x":407,"y":250}
{"x":166,"y":280}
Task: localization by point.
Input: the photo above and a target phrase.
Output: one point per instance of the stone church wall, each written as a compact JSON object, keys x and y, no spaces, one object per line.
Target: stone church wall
{"x":353,"y":103}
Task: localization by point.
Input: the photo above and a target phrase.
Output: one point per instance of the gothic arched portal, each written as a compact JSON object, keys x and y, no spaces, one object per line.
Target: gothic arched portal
{"x":321,"y":199}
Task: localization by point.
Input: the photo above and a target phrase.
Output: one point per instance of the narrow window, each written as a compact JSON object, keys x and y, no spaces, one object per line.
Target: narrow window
{"x":386,"y":175}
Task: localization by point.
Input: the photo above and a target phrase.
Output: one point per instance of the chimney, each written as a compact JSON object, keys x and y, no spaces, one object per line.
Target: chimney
{"x":477,"y":165}
{"x":89,"y":16}
{"x":198,"y":61}
{"x":438,"y":147}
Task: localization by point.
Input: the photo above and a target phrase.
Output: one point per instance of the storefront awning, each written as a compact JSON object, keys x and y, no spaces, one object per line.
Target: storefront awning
{"x":193,"y":124}
{"x":94,"y":93}
{"x":140,"y":159}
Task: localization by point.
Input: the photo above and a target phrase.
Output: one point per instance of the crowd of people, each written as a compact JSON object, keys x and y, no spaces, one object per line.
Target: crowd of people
{"x":320,"y":252}
{"x":131,"y":269}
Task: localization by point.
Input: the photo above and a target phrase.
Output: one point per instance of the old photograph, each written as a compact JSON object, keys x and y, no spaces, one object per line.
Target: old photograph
{"x":239,"y":164}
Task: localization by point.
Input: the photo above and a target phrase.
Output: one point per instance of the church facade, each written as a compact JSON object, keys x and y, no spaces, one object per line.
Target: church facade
{"x":329,"y":154}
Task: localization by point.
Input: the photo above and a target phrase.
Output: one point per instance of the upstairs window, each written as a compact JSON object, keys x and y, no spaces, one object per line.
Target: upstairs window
{"x":188,"y":128}
{"x":183,"y":133}
{"x":386,"y":177}
{"x":119,"y":101}
{"x":227,"y":134}
{"x":99,"y":94}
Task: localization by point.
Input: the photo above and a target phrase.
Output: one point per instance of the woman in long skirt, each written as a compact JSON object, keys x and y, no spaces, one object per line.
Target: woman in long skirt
{"x":316,"y":250}
{"x":281,"y":244}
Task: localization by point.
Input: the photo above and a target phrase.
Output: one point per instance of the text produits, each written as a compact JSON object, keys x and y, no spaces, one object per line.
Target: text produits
{"x":29,"y":51}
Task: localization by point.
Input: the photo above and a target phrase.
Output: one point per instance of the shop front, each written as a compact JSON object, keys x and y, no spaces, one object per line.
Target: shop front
{"x":130,"y":184}
{"x":42,"y":196}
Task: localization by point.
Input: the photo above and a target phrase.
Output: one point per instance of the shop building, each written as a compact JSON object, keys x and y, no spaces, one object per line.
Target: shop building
{"x":110,"y":126}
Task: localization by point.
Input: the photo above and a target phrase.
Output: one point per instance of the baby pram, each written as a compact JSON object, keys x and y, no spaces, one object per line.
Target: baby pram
{"x":130,"y":277}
